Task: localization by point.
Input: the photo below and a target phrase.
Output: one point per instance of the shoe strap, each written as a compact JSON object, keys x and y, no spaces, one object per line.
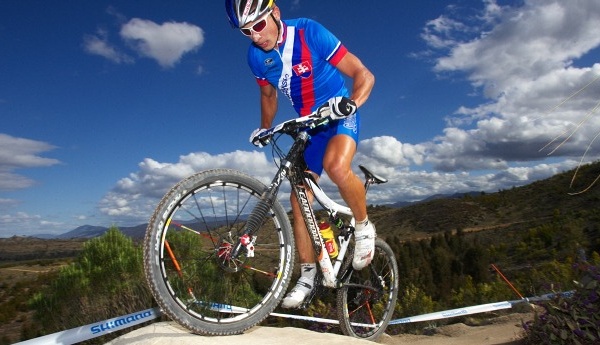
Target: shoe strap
{"x":304,"y":283}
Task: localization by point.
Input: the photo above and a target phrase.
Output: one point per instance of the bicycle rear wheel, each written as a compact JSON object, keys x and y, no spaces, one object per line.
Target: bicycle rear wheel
{"x":187,"y":248}
{"x":366,"y":300}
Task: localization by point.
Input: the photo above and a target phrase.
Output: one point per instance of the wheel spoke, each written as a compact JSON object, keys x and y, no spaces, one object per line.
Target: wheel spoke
{"x":367,"y":297}
{"x":188,"y":257}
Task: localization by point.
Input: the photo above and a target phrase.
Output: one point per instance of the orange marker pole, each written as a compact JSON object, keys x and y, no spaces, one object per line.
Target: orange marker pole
{"x":506,"y":280}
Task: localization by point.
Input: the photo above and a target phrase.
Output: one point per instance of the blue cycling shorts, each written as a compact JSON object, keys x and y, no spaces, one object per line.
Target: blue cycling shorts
{"x":319,"y":138}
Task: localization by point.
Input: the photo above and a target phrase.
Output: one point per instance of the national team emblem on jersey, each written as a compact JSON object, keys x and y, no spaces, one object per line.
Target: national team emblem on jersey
{"x":303,"y":69}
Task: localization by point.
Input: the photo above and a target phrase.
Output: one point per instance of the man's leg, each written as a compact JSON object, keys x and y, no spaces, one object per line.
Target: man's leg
{"x":304,"y":245}
{"x":306,"y":256}
{"x":337,"y":163}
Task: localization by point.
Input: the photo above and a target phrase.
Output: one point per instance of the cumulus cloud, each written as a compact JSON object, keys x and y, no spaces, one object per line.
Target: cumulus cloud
{"x":389,"y":151}
{"x":136,"y":196}
{"x":522,"y":59}
{"x":165,"y":43}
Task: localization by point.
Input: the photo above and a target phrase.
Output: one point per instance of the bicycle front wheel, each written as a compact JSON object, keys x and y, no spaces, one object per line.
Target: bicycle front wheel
{"x":187,"y":254}
{"x":366,"y":300}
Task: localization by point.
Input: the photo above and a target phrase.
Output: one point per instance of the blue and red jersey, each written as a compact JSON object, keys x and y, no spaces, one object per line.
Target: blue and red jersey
{"x":302,"y":67}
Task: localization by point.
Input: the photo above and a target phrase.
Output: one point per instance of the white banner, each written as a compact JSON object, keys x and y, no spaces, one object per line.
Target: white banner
{"x":76,"y":335}
{"x":454,"y":312}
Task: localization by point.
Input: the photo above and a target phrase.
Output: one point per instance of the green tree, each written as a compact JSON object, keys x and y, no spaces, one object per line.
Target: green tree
{"x":476,"y":264}
{"x":106,"y":280}
{"x":412,"y":301}
{"x":441,"y":262}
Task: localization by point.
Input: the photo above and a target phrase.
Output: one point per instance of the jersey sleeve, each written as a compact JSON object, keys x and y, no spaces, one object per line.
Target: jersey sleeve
{"x":259,"y":74}
{"x":262,"y":81}
{"x":329,"y":47}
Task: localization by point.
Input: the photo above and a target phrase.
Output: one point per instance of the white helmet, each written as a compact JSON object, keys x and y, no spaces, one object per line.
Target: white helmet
{"x":242,"y":12}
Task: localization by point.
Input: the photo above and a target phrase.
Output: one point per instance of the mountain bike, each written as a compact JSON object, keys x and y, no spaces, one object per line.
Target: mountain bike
{"x":219,"y":249}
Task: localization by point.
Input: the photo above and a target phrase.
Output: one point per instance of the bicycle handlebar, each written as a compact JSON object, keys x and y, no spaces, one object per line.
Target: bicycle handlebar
{"x":319,"y":117}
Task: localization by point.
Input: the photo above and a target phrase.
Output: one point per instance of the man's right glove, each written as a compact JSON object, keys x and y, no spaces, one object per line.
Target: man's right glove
{"x":255,"y":138}
{"x":341,"y":107}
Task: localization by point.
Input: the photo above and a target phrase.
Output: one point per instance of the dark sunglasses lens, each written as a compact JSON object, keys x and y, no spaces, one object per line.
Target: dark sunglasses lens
{"x":246,"y":32}
{"x":258,"y":27}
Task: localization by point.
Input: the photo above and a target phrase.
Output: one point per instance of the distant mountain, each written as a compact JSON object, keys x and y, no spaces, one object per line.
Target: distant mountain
{"x":85,"y":231}
{"x":90,"y":231}
{"x":136,"y":232}
{"x":434,"y":197}
{"x":44,"y":236}
{"x":451,"y":196}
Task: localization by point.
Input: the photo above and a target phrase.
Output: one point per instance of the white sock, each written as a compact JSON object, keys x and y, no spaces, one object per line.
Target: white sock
{"x":308,"y":270}
{"x":361,"y":225}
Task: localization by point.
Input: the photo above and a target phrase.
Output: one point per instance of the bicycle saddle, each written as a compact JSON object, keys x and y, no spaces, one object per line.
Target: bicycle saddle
{"x":371,"y":176}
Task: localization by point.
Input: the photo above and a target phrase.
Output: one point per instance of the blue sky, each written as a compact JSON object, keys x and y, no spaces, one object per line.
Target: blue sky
{"x":106,"y":104}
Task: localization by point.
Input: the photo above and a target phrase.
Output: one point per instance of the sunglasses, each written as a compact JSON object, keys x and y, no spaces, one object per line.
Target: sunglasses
{"x":257,"y":27}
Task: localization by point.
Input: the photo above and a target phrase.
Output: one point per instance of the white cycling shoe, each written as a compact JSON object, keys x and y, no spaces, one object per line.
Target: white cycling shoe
{"x":364,"y":250}
{"x":295,"y":297}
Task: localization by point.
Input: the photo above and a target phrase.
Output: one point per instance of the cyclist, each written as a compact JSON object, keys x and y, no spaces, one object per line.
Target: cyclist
{"x":306,"y":63}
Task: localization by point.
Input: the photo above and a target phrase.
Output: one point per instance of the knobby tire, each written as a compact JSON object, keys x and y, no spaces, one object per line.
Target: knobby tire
{"x":366,"y":300}
{"x":187,"y":250}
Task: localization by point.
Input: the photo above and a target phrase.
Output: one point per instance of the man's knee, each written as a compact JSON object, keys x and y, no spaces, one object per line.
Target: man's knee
{"x":338,"y":173}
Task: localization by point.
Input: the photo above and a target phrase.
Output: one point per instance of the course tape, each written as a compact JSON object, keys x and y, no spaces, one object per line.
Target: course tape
{"x":79,"y":334}
{"x":94,"y":330}
{"x":454,"y":312}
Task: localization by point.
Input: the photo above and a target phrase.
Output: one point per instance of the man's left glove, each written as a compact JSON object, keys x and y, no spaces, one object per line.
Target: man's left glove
{"x":255,"y":138}
{"x":341,"y":107}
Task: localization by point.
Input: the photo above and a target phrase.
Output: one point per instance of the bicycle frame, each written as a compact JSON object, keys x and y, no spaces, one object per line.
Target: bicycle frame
{"x":302,"y":184}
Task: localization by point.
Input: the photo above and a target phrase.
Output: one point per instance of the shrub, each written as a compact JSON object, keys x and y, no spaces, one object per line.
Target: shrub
{"x":411,"y":301}
{"x":570,"y":319}
{"x":106,"y":280}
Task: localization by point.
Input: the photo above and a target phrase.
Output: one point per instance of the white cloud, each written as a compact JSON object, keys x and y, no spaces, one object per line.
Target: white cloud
{"x":15,"y":154}
{"x":530,"y":41}
{"x":389,"y":151}
{"x":135,"y":196}
{"x":439,"y":32}
{"x":98,"y":45}
{"x":19,"y":216}
{"x":20,"y":153}
{"x":7,"y":202}
{"x":523,"y":61}
{"x":10,"y":181}
{"x":12,"y":223}
{"x":165,"y":43}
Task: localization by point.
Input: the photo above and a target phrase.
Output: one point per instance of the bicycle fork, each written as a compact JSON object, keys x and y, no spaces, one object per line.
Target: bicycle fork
{"x":268,"y":197}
